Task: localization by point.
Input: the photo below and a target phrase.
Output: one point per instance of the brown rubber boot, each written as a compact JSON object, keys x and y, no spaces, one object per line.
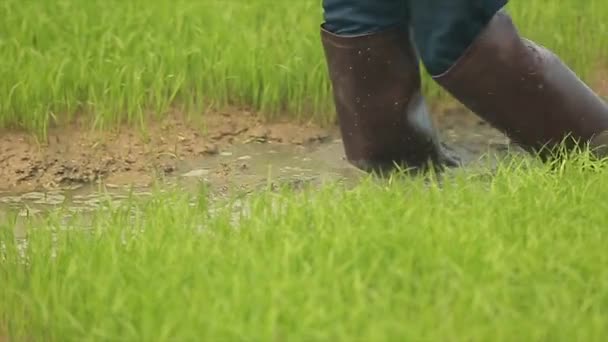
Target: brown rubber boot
{"x":525,"y":91}
{"x":381,"y":112}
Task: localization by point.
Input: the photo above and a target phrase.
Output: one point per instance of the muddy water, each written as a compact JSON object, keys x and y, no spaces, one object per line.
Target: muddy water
{"x":252,"y":166}
{"x":245,"y":167}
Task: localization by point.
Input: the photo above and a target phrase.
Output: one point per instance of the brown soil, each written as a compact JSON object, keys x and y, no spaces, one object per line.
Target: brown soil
{"x":3,"y":333}
{"x":602,"y":82}
{"x":76,"y":155}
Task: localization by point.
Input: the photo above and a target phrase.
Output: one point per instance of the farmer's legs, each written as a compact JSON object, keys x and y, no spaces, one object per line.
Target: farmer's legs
{"x":476,"y":53}
{"x":444,"y":29}
{"x":376,"y":85}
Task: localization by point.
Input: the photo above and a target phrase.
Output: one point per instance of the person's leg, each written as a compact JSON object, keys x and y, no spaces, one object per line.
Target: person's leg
{"x":376,"y":85}
{"x":360,"y":17}
{"x":474,"y":51}
{"x":444,"y":29}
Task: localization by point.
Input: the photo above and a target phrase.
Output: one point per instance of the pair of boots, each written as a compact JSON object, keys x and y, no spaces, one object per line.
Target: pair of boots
{"x":518,"y":87}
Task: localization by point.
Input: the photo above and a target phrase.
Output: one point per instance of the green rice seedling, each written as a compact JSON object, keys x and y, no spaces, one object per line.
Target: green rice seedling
{"x":115,"y":61}
{"x":519,"y":255}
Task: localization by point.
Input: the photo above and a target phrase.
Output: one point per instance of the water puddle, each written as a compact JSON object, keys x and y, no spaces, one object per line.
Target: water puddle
{"x":240,"y":169}
{"x":246,"y":168}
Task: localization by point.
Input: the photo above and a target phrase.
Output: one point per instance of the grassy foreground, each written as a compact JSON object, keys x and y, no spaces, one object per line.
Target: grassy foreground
{"x":517,"y":256}
{"x":121,"y":60}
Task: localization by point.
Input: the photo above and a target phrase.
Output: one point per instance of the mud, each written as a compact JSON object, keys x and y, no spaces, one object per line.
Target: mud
{"x":75,"y":156}
{"x":601,"y":85}
{"x":79,"y":172}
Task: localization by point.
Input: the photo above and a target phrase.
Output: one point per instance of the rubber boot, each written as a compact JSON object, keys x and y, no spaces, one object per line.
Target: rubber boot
{"x":381,"y":112}
{"x":525,"y":91}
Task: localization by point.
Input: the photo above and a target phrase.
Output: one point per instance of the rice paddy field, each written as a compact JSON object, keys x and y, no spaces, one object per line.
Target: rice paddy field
{"x":116,"y":61}
{"x":509,"y":252}
{"x":518,"y":255}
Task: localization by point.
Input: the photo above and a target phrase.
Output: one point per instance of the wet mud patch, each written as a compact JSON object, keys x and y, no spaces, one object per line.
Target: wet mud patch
{"x":254,"y":165}
{"x":76,"y":156}
{"x":232,"y":155}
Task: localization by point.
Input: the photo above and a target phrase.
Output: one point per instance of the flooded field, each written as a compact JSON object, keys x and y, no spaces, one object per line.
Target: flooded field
{"x":173,"y":171}
{"x":250,"y":164}
{"x":495,"y":252}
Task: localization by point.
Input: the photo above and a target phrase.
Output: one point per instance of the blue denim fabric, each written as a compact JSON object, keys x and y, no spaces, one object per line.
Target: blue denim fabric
{"x":356,"y":17}
{"x":442,"y":29}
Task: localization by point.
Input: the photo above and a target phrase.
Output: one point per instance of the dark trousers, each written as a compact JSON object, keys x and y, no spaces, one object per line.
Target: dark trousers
{"x":442,"y":29}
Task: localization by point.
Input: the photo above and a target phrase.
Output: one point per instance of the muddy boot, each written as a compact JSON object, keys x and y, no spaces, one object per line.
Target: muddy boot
{"x":381,"y":112}
{"x":525,"y":91}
